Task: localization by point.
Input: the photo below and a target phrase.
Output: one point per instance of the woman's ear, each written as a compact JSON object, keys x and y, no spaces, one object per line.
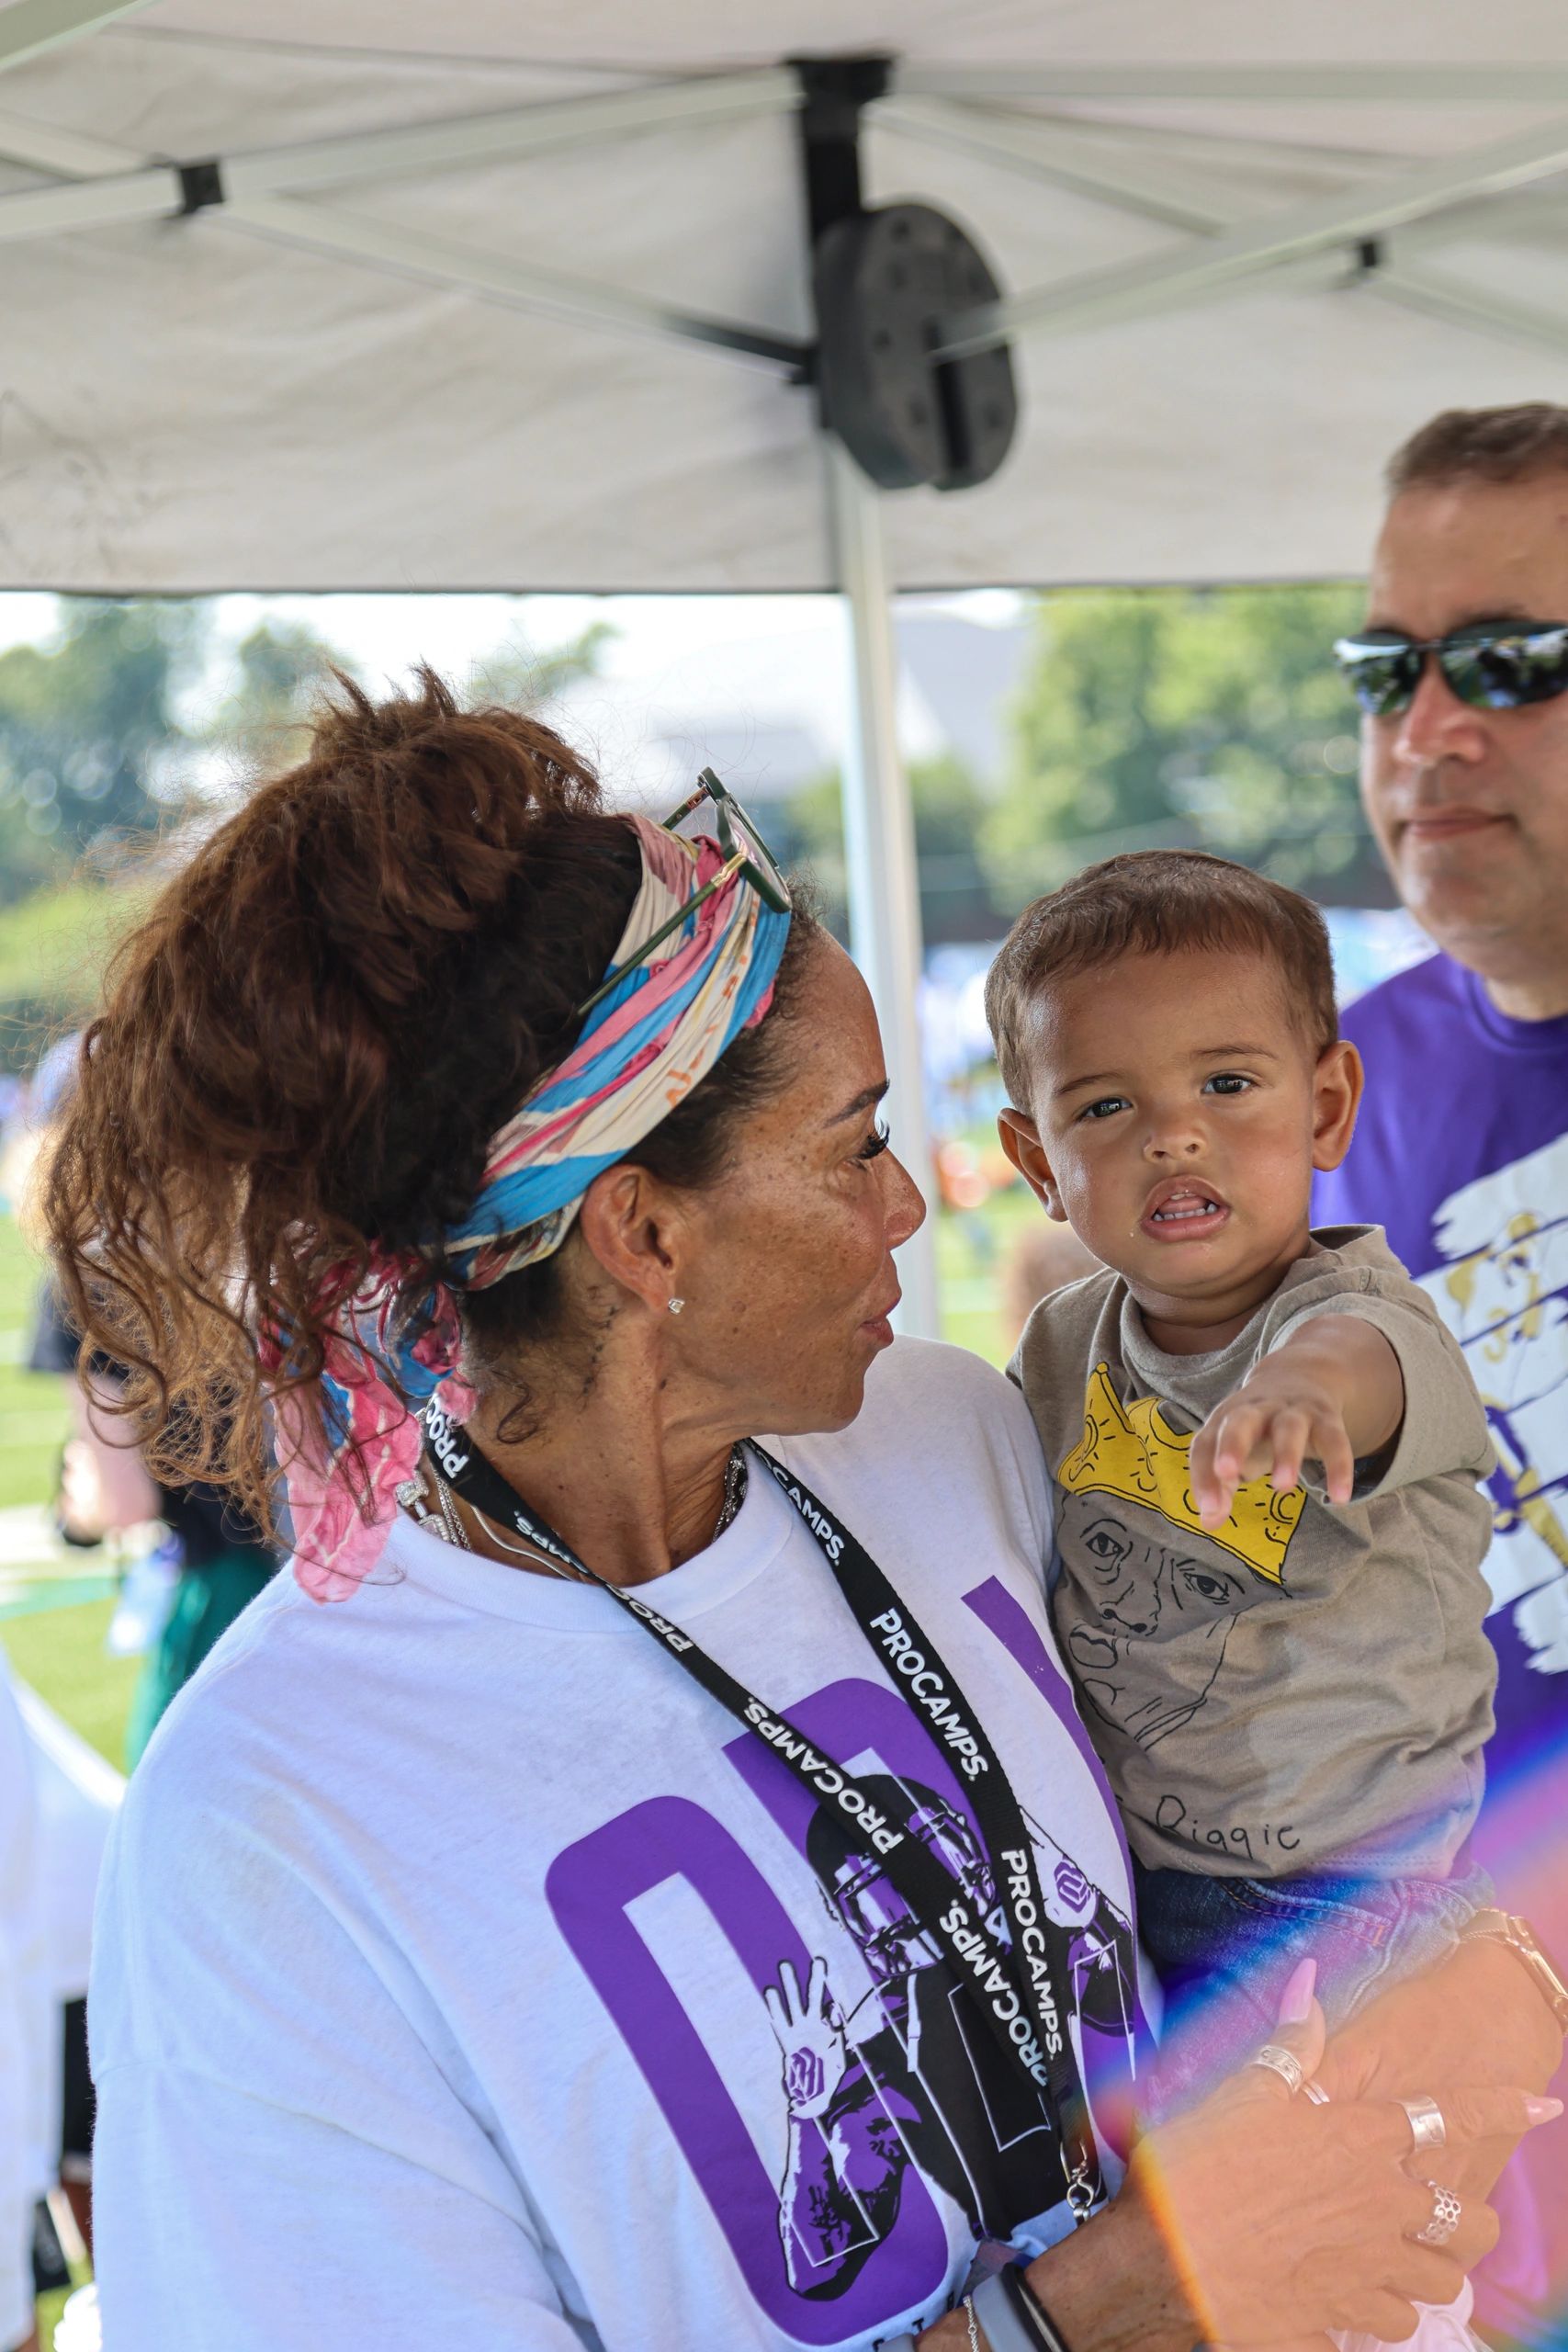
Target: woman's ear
{"x":1021,"y":1141}
{"x":633,"y":1227}
{"x":1335,"y":1098}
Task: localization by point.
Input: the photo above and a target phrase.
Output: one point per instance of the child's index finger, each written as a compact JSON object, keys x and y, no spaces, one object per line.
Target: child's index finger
{"x":1247,"y":1429}
{"x":1215,"y":1507}
{"x":1215,"y":1493}
{"x":1233,"y":1431}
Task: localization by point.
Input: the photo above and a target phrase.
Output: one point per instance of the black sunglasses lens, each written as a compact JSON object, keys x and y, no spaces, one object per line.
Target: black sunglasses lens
{"x":1381,"y":678}
{"x":1503,"y":670}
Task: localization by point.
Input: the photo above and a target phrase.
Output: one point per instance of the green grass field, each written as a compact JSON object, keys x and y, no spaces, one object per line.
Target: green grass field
{"x":61,"y":1652}
{"x":32,"y":1404}
{"x":54,"y":1638}
{"x":970,"y":1253}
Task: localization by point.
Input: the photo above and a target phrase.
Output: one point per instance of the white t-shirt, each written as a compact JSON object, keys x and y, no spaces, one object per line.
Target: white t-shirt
{"x":455,"y":1970}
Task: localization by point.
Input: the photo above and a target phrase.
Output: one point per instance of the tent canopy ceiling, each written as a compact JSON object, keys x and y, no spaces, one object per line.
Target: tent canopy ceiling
{"x":498,"y":349}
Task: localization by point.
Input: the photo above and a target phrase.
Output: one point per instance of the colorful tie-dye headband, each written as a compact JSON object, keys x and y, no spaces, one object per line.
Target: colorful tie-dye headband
{"x":652,"y":1038}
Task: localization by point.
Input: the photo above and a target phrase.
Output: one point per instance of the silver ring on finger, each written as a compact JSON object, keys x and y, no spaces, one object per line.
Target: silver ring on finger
{"x":1284,"y":2064}
{"x":1427,"y":2129}
{"x":1446,"y":2212}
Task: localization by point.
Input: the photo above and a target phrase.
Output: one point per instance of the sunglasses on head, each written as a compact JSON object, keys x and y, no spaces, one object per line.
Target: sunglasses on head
{"x":1491,"y":665}
{"x":745,"y":853}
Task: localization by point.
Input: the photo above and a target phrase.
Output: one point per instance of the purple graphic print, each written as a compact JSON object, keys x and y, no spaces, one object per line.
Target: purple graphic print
{"x":904,"y":2132}
{"x":588,"y":1888}
{"x":861,"y":2114}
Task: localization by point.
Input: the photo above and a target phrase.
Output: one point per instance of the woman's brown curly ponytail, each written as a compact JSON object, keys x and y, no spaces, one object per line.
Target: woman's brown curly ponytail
{"x":307,"y":1043}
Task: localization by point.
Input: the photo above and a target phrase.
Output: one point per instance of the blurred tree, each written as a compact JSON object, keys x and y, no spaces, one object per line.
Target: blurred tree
{"x":956,"y":901}
{"x":87,"y":731}
{"x":520,"y":675}
{"x":285,"y":666}
{"x":110,"y":735}
{"x":274,"y":677}
{"x":1207,"y":718}
{"x":281,"y":667}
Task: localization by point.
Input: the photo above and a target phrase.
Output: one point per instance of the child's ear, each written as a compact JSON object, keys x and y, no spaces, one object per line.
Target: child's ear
{"x":1336,"y":1099}
{"x":1021,"y":1141}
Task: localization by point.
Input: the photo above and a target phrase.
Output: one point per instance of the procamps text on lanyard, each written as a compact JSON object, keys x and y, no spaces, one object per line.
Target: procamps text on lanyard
{"x":1012,"y":1984}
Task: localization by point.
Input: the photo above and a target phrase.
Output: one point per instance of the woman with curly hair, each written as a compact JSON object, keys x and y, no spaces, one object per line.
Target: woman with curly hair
{"x":639,"y":1883}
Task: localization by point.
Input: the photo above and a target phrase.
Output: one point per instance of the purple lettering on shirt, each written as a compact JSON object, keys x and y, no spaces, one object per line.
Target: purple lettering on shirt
{"x":588,"y":1888}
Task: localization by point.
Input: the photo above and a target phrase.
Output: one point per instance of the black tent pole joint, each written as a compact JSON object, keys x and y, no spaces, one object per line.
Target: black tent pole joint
{"x":201,"y":185}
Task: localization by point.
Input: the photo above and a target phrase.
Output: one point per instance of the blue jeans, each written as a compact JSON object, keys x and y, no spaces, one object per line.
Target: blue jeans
{"x":1222,"y":1948}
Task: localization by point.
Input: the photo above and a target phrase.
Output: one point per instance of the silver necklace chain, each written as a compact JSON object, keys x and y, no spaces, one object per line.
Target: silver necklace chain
{"x":735,"y":1476}
{"x":438,"y":1518}
{"x":442,"y":1519}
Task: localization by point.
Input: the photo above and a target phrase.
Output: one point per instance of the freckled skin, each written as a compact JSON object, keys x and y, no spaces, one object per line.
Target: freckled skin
{"x":784,"y":1268}
{"x":1471,"y":807}
{"x":792,"y":1250}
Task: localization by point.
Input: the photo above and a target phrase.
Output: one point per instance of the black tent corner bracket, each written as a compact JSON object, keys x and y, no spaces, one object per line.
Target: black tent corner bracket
{"x":201,"y":185}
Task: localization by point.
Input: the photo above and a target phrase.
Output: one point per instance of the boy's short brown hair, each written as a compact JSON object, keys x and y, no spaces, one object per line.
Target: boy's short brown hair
{"x":1156,"y":902}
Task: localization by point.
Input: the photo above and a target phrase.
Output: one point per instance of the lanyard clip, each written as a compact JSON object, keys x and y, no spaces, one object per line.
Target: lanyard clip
{"x":1081,"y":2195}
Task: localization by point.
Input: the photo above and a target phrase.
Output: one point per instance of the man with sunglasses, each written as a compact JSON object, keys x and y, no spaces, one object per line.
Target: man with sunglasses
{"x":1462,"y":1148}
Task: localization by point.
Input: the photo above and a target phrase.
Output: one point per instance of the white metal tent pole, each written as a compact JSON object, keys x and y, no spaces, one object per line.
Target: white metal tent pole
{"x":879,"y":839}
{"x":30,"y":28}
{"x":1138,"y":289}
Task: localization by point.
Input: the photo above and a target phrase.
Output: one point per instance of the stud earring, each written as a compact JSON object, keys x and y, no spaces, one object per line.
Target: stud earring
{"x":676,"y":1304}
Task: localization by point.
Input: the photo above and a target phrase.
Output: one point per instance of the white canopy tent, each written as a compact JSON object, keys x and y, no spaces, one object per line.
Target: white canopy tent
{"x":505,"y":294}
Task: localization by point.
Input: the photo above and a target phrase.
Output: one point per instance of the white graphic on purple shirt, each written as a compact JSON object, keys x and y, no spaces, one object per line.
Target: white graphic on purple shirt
{"x":897,"y":2131}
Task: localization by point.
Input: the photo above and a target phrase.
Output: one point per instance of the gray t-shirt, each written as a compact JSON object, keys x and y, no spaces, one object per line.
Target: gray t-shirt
{"x":1310,"y":1686}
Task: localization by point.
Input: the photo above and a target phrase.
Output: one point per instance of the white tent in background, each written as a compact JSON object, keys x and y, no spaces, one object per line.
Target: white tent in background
{"x":512,"y":294}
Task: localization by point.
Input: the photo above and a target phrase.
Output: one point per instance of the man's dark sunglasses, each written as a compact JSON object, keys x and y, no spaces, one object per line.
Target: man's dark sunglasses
{"x":1491,"y":665}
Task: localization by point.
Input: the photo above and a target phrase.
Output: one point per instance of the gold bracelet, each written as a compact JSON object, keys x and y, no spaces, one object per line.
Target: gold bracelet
{"x":1504,"y":1928}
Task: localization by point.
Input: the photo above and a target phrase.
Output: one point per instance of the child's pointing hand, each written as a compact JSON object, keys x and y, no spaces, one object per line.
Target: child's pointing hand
{"x":1332,"y":1392}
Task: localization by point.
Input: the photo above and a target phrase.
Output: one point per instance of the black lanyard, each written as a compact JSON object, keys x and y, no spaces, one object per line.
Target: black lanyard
{"x":1014,"y":1983}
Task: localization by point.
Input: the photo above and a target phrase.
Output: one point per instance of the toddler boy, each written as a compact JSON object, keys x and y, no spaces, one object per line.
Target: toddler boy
{"x":1264,"y":1443}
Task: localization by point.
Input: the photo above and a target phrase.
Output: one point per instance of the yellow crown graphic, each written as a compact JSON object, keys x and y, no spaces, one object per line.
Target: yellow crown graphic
{"x":1130,"y":1450}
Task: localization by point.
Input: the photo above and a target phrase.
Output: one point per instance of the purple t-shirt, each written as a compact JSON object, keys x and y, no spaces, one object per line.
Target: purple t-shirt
{"x":1461,"y":1154}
